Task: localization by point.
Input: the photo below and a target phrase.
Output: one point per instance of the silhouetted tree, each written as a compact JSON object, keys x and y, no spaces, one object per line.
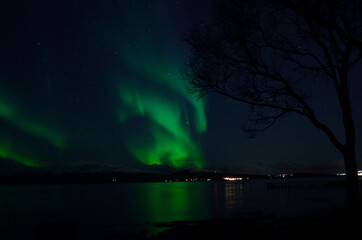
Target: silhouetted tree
{"x":266,"y":53}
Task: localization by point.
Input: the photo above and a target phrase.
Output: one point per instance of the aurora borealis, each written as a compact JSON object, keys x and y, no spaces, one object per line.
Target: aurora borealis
{"x":99,"y":81}
{"x":15,"y":117}
{"x":146,"y":88}
{"x":156,"y":92}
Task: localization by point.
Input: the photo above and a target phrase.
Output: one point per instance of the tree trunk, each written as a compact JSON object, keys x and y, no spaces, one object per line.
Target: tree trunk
{"x":351,"y":177}
{"x":349,"y":150}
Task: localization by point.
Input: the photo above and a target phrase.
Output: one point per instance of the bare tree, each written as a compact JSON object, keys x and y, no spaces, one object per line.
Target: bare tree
{"x":266,"y":53}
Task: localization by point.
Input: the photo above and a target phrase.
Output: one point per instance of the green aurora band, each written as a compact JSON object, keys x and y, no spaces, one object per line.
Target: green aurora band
{"x":8,"y":152}
{"x":169,"y":122}
{"x":156,"y":92}
{"x":14,"y":116}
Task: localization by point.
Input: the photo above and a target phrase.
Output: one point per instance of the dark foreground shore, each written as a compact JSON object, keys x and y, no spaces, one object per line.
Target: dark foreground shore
{"x":343,"y":223}
{"x":339,"y":223}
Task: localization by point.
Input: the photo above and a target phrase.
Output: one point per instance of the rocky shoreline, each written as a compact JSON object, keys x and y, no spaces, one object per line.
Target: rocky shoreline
{"x":335,"y":223}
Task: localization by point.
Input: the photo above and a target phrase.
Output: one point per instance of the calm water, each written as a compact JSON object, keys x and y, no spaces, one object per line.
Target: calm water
{"x":134,"y":207}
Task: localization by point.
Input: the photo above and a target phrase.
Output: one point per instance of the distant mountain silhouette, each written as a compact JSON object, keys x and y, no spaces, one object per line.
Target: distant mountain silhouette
{"x":92,"y":172}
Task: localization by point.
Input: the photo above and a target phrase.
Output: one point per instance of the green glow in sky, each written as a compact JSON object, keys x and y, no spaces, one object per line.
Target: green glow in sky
{"x":167,"y":74}
{"x":7,"y":151}
{"x":171,"y":141}
{"x":11,"y":150}
{"x":154,"y":90}
{"x":14,"y":116}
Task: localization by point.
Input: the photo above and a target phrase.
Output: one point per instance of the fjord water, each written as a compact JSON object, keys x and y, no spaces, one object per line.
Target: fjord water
{"x":122,"y":208}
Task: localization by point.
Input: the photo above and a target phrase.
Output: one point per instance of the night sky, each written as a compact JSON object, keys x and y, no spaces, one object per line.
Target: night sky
{"x":99,"y":81}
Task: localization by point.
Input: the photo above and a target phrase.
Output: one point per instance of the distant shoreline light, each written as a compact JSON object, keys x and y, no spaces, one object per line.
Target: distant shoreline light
{"x":232,"y":179}
{"x":359,"y":173}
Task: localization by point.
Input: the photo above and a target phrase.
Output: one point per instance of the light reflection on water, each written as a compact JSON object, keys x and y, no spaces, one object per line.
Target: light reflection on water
{"x":129,"y":207}
{"x":233,"y":195}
